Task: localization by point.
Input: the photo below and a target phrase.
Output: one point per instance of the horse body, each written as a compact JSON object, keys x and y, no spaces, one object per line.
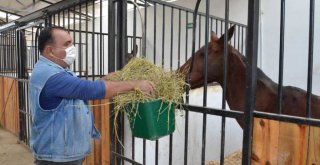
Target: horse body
{"x":293,"y":101}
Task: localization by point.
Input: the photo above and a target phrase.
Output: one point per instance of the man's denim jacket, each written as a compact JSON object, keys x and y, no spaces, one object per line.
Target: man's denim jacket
{"x":62,"y":134}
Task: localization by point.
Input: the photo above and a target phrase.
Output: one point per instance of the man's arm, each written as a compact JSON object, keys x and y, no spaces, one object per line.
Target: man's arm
{"x":114,"y":88}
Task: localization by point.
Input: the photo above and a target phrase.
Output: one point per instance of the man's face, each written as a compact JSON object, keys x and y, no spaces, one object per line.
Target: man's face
{"x":62,"y":40}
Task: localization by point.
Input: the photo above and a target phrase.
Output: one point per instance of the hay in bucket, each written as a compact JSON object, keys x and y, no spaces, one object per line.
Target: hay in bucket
{"x":169,"y":87}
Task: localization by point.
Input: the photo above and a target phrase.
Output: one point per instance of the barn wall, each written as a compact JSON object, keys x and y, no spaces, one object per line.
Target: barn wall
{"x":296,"y":42}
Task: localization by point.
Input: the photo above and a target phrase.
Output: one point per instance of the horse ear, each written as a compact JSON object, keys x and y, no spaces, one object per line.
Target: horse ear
{"x":230,"y":34}
{"x":134,"y":51}
{"x":214,"y":36}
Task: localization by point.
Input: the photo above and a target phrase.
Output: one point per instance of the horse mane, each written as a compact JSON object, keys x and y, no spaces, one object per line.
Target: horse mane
{"x":261,"y":76}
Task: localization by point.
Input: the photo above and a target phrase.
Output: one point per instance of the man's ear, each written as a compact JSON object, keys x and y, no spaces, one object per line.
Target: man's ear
{"x":230,"y":34}
{"x":47,"y":50}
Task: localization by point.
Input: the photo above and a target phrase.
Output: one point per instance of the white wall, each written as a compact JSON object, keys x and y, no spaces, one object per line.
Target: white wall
{"x":296,"y":42}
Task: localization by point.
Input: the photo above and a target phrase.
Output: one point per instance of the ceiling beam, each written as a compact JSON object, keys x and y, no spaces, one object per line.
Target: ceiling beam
{"x":81,"y":14}
{"x":5,"y":11}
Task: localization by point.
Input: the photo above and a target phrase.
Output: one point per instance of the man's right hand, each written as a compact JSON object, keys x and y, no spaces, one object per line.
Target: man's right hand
{"x":114,"y":88}
{"x":145,"y":86}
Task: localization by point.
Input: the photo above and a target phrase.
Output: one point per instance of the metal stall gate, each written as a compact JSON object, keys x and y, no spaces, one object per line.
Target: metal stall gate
{"x":166,"y":31}
{"x":168,"y":43}
{"x":163,"y":34}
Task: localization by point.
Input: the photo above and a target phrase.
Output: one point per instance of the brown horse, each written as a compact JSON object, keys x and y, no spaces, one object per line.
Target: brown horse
{"x":293,"y":100}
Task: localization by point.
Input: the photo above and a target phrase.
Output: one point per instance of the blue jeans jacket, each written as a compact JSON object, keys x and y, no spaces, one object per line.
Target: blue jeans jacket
{"x":62,"y":134}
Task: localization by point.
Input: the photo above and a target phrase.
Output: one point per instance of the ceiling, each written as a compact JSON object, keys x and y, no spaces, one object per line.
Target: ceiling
{"x":14,"y":9}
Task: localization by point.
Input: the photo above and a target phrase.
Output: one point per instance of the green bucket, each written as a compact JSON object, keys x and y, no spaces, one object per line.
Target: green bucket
{"x":151,"y":120}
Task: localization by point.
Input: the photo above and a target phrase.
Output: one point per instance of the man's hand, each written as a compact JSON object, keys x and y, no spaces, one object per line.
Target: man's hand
{"x":145,"y":86}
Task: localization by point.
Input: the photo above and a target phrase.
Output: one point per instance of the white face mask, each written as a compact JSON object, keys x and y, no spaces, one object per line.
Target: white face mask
{"x":71,"y":55}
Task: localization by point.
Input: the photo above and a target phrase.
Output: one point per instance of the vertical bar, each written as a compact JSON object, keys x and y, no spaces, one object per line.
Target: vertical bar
{"x":199,"y":42}
{"x":111,"y":63}
{"x":134,"y":38}
{"x":281,"y":54}
{"x":63,"y":19}
{"x":92,"y":42}
{"x":186,"y":130}
{"x":80,"y":42}
{"x":157,"y":153}
{"x":179,"y":39}
{"x":238,"y":47}
{"x":100,"y":35}
{"x":204,"y":129}
{"x":122,"y":48}
{"x":251,"y":52}
{"x":122,"y":32}
{"x":87,"y":51}
{"x":154,"y":32}
{"x":74,"y":32}
{"x":242,"y":46}
{"x":224,"y":92}
{"x":58,"y":18}
{"x":145,"y":34}
{"x":163,"y":32}
{"x":145,"y":55}
{"x":310,"y":59}
{"x":186,"y":57}
{"x":54,"y":20}
{"x":171,"y":43}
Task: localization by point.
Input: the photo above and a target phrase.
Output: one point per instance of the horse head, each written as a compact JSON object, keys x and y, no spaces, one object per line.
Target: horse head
{"x":215,"y":62}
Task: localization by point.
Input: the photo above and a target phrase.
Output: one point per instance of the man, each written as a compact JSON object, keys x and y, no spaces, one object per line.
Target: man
{"x":62,"y":123}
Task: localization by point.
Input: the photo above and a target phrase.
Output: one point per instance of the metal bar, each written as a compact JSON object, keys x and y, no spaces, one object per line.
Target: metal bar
{"x":87,"y":51}
{"x":238,"y":47}
{"x":287,"y":118}
{"x":170,"y":149}
{"x":186,"y":134}
{"x":74,"y":34}
{"x":111,"y":64}
{"x":144,"y":50}
{"x":310,"y":58}
{"x":171,"y":40}
{"x":63,"y":17}
{"x":154,"y":32}
{"x":251,"y":52}
{"x":163,"y":32}
{"x":157,"y":153}
{"x":242,"y":46}
{"x":80,"y":44}
{"x":186,"y":57}
{"x":134,"y":29}
{"x":225,"y":80}
{"x":199,"y":38}
{"x":179,"y":39}
{"x":205,"y":87}
{"x":281,"y":54}
{"x":92,"y":42}
{"x":58,"y":18}
{"x":100,"y":35}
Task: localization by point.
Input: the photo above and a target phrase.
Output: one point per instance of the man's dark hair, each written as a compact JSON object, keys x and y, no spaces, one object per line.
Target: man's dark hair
{"x":46,"y":37}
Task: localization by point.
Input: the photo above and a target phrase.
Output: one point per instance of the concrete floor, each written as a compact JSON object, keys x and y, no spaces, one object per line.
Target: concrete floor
{"x":11,"y":152}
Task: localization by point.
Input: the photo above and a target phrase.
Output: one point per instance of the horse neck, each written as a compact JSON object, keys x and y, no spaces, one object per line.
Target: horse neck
{"x":236,"y":82}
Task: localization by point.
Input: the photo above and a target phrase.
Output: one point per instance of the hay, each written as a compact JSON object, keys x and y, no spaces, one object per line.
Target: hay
{"x":232,"y":159}
{"x":169,"y":86}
